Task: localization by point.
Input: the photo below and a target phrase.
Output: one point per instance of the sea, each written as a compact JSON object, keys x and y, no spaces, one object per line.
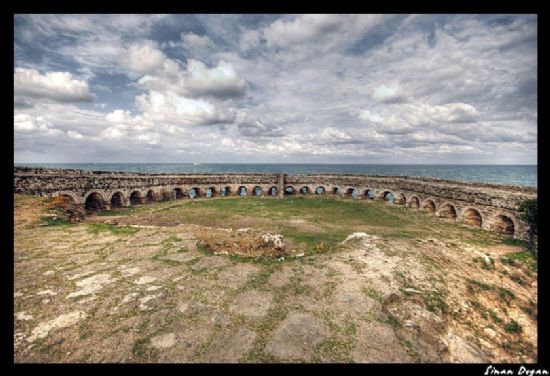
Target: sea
{"x":525,"y":175}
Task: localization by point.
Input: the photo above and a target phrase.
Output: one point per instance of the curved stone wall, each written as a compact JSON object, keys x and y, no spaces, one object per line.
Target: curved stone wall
{"x":490,"y":206}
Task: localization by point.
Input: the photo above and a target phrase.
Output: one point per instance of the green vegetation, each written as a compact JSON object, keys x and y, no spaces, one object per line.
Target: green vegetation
{"x":305,"y":222}
{"x":524,"y":257}
{"x":513,"y":327}
{"x":96,"y":228}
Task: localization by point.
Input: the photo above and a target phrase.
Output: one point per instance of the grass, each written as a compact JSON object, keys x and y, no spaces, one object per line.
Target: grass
{"x":513,"y":327}
{"x":524,"y":257}
{"x":97,"y":228}
{"x":304,"y":221}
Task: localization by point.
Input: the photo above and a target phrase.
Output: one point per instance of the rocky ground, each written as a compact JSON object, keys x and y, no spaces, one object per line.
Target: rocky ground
{"x":139,"y":289}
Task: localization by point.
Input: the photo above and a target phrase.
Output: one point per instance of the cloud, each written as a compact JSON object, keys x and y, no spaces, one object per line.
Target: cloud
{"x":145,"y":58}
{"x":293,"y":88}
{"x":197,"y":80}
{"x":333,"y":134}
{"x":56,"y":86}
{"x":171,"y":108}
{"x":389,"y":94}
{"x":196,"y":41}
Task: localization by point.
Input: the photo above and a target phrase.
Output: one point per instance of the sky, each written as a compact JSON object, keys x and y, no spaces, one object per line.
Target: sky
{"x":362,"y":88}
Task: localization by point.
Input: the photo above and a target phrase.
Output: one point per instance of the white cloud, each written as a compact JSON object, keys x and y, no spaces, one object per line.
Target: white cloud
{"x":197,"y":80}
{"x":123,"y":119}
{"x":173,"y":109}
{"x":145,"y":58}
{"x":388,"y":94}
{"x":57,"y":86}
{"x":196,"y":41}
{"x":74,"y":134}
{"x":332,"y":134}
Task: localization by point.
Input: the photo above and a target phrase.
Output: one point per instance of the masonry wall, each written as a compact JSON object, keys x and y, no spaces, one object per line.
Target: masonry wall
{"x":491,"y":201}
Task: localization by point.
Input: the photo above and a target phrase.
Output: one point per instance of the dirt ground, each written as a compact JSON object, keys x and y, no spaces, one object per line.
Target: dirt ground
{"x":96,"y":292}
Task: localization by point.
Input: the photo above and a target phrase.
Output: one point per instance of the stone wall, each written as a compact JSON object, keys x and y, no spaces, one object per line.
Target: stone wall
{"x":491,"y":206}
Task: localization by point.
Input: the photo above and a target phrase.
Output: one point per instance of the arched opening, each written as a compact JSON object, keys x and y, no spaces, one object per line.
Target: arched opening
{"x":210,"y":191}
{"x":401,"y":199}
{"x":177,"y":193}
{"x":414,"y":203}
{"x":273,"y":191}
{"x":320,"y":191}
{"x":472,"y":217}
{"x":447,"y":211}
{"x":429,"y":206}
{"x":387,"y":196}
{"x":64,"y":201}
{"x":117,"y":200}
{"x":242,"y":191}
{"x":136,"y":198}
{"x":335,"y":191}
{"x":352,"y":192}
{"x":503,"y":225}
{"x":150,"y":196}
{"x":368,"y":194}
{"x":94,"y":203}
{"x":304,"y":190}
{"x":289,"y":190}
{"x":257,"y":191}
{"x":193,"y":192}
{"x":165,"y":196}
{"x":225,"y":191}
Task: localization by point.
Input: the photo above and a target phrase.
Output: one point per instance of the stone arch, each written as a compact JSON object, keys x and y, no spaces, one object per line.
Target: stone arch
{"x":447,"y":211}
{"x":369,"y":194}
{"x":72,"y":196}
{"x":242,"y":191}
{"x":387,"y":196}
{"x":273,"y":191}
{"x":289,"y":190}
{"x":136,"y":198}
{"x":401,"y":199}
{"x":193,"y":192}
{"x":351,"y":192}
{"x":336,"y":190}
{"x":118,"y":199}
{"x":257,"y":190}
{"x":95,"y":202}
{"x":429,"y":206}
{"x":472,"y":217}
{"x":225,"y":191}
{"x":151,"y":196}
{"x":104,"y":196}
{"x":320,"y":190}
{"x":210,"y":192}
{"x":304,"y":190}
{"x":164,"y":195}
{"x":414,"y":202}
{"x":503,"y":224}
{"x":178,"y":193}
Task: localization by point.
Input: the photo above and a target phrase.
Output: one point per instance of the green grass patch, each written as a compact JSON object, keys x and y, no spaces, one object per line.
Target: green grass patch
{"x":513,"y":327}
{"x":515,"y":242}
{"x":97,"y":228}
{"x":524,"y":257}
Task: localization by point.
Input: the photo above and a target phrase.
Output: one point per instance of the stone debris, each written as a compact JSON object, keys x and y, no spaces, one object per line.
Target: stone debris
{"x":164,"y":341}
{"x":272,"y":241}
{"x":23,"y":316}
{"x":128,"y":272}
{"x":129,"y":297}
{"x":92,"y":285}
{"x":46,"y":292}
{"x":144,"y":280}
{"x":63,"y":321}
{"x":154,"y":288}
{"x":356,"y":235}
{"x":144,"y":300}
{"x":49,"y":272}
